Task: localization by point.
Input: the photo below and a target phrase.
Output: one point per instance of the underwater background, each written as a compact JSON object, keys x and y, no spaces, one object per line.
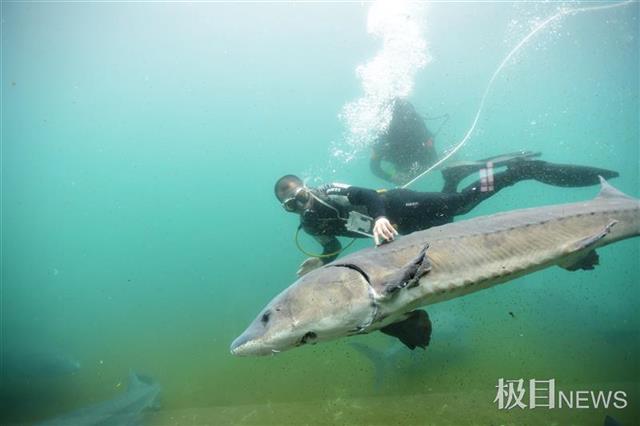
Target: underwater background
{"x":140,"y":146}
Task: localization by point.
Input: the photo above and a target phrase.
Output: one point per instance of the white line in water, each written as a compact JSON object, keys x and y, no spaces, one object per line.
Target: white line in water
{"x":562,"y":12}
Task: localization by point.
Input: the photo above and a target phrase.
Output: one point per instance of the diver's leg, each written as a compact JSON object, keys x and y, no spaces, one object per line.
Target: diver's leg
{"x":488,"y":184}
{"x":524,"y":165}
{"x":455,"y":173}
{"x":563,"y":175}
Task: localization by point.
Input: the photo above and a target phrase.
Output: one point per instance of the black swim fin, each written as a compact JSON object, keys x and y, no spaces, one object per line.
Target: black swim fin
{"x":415,"y":331}
{"x":564,"y":175}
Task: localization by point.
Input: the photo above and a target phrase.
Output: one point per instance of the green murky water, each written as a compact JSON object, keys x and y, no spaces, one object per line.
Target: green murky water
{"x":140,"y":144}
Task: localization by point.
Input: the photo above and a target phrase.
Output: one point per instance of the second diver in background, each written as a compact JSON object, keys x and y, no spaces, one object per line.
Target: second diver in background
{"x":406,"y":148}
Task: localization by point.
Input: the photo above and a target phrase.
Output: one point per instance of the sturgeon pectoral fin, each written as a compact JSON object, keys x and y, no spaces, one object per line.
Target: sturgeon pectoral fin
{"x":581,"y":255}
{"x":415,"y":331}
{"x":410,"y":274}
{"x":587,"y":262}
{"x":589,"y":241}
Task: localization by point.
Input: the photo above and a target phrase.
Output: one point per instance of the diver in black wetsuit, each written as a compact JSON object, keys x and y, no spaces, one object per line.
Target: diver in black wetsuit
{"x":406,"y":148}
{"x":342,"y":210}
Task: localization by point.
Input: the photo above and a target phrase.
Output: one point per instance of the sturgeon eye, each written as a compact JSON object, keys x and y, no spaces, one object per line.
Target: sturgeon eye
{"x":265,"y":317}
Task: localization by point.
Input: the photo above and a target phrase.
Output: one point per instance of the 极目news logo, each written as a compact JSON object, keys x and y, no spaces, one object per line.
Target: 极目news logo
{"x":517,"y":393}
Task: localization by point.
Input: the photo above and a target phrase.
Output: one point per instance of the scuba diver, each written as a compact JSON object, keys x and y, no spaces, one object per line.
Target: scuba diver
{"x":336,"y":209}
{"x":406,"y":148}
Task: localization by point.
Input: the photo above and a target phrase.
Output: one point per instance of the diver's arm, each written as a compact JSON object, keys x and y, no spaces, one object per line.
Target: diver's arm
{"x":382,"y":229}
{"x":430,"y":155}
{"x":369,"y":198}
{"x":375,"y":164}
{"x":330,"y":245}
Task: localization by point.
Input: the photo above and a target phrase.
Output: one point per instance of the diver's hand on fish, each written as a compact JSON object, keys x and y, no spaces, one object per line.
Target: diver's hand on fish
{"x":309,"y":265}
{"x":383,"y":231}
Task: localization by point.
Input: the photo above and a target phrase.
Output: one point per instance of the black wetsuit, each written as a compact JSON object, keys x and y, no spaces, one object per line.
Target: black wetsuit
{"x":327,"y":219}
{"x":410,"y":211}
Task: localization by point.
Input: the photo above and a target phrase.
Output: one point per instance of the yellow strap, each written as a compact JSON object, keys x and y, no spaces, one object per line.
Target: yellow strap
{"x":335,"y":253}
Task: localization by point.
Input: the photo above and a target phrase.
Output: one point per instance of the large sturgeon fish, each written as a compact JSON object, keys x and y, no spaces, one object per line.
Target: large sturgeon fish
{"x":379,"y":288}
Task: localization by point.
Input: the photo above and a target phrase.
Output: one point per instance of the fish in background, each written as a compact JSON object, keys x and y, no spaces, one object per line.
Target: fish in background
{"x":36,"y":362}
{"x":126,"y":409}
{"x":31,"y":374}
{"x":610,"y":421}
{"x":450,"y":328}
{"x":384,"y":361}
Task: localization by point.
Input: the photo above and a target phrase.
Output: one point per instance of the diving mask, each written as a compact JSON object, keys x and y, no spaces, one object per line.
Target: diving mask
{"x":297,"y":202}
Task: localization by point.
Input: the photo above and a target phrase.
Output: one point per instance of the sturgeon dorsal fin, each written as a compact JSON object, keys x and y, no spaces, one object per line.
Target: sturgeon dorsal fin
{"x":608,"y":191}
